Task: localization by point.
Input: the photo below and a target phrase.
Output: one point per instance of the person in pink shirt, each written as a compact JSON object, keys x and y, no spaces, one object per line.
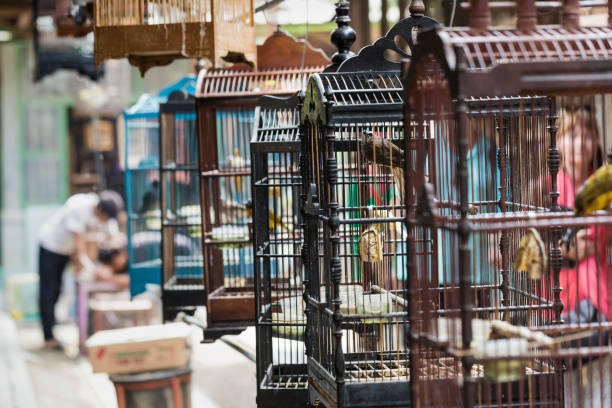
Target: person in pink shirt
{"x":584,"y":275}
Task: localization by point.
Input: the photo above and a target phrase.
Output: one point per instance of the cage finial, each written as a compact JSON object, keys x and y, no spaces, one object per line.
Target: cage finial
{"x":417,"y":8}
{"x":343,"y":36}
{"x":527,"y":18}
{"x":570,"y":17}
{"x":480,"y":14}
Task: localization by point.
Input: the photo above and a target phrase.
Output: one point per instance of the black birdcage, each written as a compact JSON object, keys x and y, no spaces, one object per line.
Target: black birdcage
{"x":282,"y":378}
{"x":502,"y":310}
{"x":225,"y":102}
{"x":355,"y":241}
{"x":181,"y":228}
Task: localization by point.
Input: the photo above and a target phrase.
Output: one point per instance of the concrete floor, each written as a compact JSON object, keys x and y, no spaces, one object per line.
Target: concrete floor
{"x":221,"y":378}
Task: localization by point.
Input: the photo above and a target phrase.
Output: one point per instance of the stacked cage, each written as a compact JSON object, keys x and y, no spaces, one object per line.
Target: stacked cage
{"x":142,"y":186}
{"x":225,"y":103}
{"x":181,"y":228}
{"x":277,"y":238}
{"x":509,"y":261}
{"x":354,"y":245}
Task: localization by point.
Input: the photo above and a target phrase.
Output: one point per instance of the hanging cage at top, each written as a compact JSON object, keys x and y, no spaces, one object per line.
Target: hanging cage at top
{"x":508,"y":213}
{"x":355,"y":250}
{"x":156,"y":32}
{"x":181,"y":224}
{"x":225,"y":104}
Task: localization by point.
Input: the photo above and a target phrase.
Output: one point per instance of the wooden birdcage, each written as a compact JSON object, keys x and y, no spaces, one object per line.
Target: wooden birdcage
{"x":181,"y":227}
{"x":494,"y":175}
{"x":156,"y":32}
{"x":355,"y":249}
{"x":225,"y":103}
{"x":282,"y":378}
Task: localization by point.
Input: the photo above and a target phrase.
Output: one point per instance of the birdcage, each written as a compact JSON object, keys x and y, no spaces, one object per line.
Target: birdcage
{"x":225,"y":105}
{"x":355,"y":305}
{"x":181,"y":228}
{"x":355,"y":250}
{"x":502,"y":312}
{"x":142,"y":185}
{"x":282,"y":378}
{"x":156,"y":32}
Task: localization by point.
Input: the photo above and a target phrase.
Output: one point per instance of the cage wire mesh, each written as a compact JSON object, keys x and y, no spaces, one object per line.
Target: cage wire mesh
{"x":282,"y":378}
{"x":182,"y":261}
{"x":226,"y":101}
{"x":508,"y":217}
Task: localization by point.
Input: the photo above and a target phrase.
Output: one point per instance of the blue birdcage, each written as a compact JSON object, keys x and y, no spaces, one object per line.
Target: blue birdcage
{"x":182,"y":261}
{"x":142,"y":181}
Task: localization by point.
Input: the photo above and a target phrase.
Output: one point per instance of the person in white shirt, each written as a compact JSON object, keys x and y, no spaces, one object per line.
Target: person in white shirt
{"x":62,"y":237}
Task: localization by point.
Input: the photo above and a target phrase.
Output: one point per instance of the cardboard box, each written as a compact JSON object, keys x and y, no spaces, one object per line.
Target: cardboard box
{"x":137,"y":349}
{"x":109,"y":312}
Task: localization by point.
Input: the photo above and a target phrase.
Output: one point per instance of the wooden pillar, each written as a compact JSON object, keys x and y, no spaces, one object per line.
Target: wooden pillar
{"x":571,"y":14}
{"x":360,"y":21}
{"x":403,"y":5}
{"x":527,"y":18}
{"x":384,"y":24}
{"x":480,"y":15}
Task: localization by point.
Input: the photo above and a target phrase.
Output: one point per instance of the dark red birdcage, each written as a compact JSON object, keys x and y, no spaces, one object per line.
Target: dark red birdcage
{"x":225,"y":105}
{"x":494,"y":162}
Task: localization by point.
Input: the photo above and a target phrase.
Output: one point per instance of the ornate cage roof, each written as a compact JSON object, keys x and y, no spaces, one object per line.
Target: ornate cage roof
{"x":530,"y":59}
{"x":285,"y":64}
{"x":354,"y":96}
{"x":484,"y":50}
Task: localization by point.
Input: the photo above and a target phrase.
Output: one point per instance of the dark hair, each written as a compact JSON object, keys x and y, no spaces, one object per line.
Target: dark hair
{"x":110,"y":203}
{"x":106,"y":255}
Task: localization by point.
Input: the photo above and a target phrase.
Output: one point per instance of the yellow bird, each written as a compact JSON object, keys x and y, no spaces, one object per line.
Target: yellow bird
{"x":531,"y":255}
{"x":594,"y":195}
{"x":274,"y":220}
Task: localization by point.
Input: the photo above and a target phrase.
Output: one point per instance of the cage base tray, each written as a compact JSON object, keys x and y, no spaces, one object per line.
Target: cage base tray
{"x":183,"y":291}
{"x":227,"y":305}
{"x":157,"y":44}
{"x":284,"y":385}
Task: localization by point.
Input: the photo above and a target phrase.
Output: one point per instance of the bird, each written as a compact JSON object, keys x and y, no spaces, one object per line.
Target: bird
{"x":382,"y":151}
{"x":594,"y":195}
{"x":531,"y":255}
{"x":596,"y":192}
{"x":274,"y":220}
